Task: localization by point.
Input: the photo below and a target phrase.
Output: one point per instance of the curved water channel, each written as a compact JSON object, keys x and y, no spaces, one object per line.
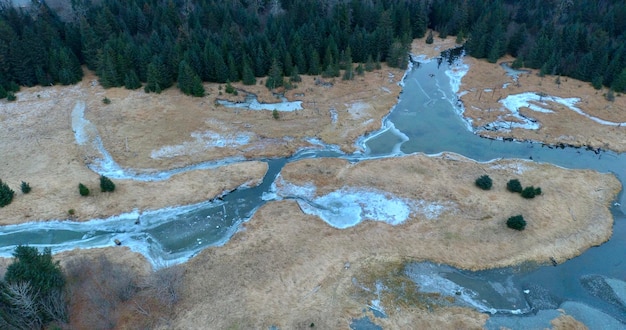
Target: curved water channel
{"x":426,"y":119}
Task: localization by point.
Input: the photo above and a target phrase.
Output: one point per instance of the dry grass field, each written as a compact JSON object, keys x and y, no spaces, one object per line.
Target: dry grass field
{"x":284,"y":267}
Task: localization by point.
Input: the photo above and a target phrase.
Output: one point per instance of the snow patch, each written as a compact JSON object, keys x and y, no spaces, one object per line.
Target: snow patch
{"x":358,"y":109}
{"x":518,"y":167}
{"x":254,"y":104}
{"x":202,"y":142}
{"x":536,"y":102}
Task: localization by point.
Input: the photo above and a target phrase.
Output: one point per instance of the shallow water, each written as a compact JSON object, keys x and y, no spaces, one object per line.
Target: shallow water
{"x":427,"y":114}
{"x":426,"y":119}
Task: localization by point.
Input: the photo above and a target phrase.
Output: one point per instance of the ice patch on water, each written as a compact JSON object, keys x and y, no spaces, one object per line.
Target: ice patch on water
{"x":456,"y":72}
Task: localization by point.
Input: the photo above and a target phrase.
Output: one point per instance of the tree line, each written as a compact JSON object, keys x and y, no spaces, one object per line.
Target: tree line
{"x":158,"y":43}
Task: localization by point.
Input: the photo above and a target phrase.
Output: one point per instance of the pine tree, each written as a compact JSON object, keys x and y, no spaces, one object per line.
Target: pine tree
{"x":314,"y":63}
{"x":275,"y":78}
{"x":106,"y":185}
{"x":247,"y":74}
{"x":131,"y":80}
{"x":6,"y":194}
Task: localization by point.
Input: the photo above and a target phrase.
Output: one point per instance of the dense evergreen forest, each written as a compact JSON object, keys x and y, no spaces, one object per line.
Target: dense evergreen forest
{"x":158,"y":43}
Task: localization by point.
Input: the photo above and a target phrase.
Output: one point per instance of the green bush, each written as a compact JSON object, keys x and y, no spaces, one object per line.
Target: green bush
{"x":83,"y":190}
{"x":106,"y":185}
{"x":275,"y":114}
{"x":516,"y":222}
{"x":514,"y":186}
{"x":11,"y":96}
{"x":106,"y":100}
{"x":6,"y":194}
{"x":484,"y":182}
{"x":531,"y":192}
{"x":25,"y":187}
{"x":40,"y":300}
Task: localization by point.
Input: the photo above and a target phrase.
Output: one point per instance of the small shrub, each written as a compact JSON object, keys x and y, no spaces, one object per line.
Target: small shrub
{"x":429,"y":38}
{"x":275,"y":114}
{"x":106,"y":185}
{"x":514,"y":186}
{"x":106,"y":100}
{"x":6,"y":194}
{"x":537,"y":191}
{"x":530,"y":192}
{"x":25,"y":187}
{"x":484,"y":182}
{"x":83,"y":190}
{"x":71,"y":212}
{"x":230,"y":89}
{"x":516,"y":222}
{"x":11,"y":96}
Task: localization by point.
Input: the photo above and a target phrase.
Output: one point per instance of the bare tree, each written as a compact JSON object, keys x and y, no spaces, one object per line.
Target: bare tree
{"x":165,"y":284}
{"x":23,"y":312}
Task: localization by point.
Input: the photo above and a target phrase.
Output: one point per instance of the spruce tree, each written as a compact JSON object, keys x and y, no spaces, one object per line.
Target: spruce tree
{"x":131,"y":80}
{"x":275,"y":78}
{"x":6,"y":194}
{"x":106,"y":185}
{"x":247,"y":74}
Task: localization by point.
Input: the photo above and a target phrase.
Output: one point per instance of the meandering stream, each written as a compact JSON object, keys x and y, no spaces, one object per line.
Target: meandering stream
{"x":426,"y":119}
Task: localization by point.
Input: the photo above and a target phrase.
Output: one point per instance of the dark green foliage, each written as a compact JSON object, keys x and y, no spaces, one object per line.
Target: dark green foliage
{"x":189,"y":82}
{"x":131,"y":80}
{"x":41,"y":298}
{"x":516,"y":222}
{"x":295,"y":75}
{"x":229,"y":88}
{"x":429,"y":38}
{"x":248,"y":75}
{"x":369,"y":65}
{"x":106,"y":185}
{"x":275,"y":78}
{"x":530,"y":192}
{"x":232,"y":40}
{"x":37,"y":268}
{"x":6,"y":194}
{"x":83,"y":190}
{"x":11,"y":96}
{"x":610,"y":96}
{"x":275,"y":114}
{"x":484,"y":182}
{"x":106,"y":100}
{"x":360,"y":70}
{"x":25,"y":187}
{"x":514,"y":186}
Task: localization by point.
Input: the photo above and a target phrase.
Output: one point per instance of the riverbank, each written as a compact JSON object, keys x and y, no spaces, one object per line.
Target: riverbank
{"x":287,"y":268}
